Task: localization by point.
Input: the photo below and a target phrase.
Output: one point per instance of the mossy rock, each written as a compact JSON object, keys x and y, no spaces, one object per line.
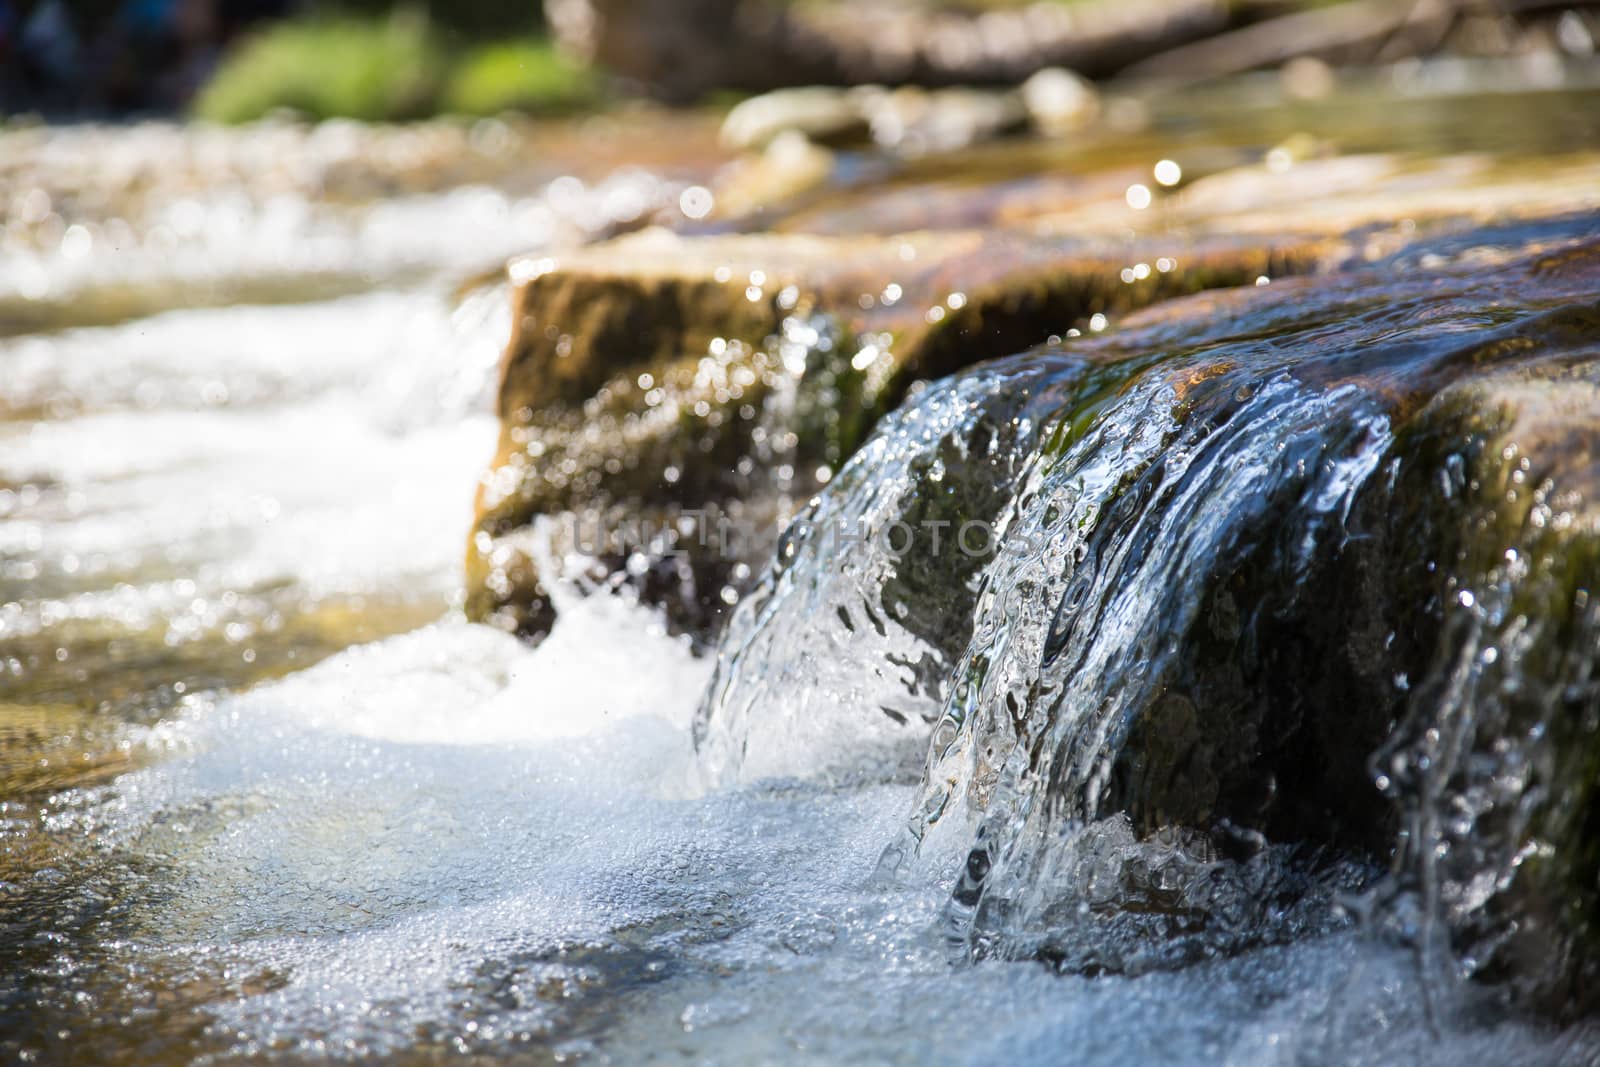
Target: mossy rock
{"x":656,"y":372}
{"x":1302,"y":676}
{"x":1460,"y":606}
{"x":1496,"y":762}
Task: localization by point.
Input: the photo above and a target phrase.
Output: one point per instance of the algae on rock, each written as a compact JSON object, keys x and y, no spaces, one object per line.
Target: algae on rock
{"x":656,"y":374}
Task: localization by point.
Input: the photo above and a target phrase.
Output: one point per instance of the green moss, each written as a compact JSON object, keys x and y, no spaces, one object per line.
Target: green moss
{"x":1514,"y":442}
{"x":528,"y":75}
{"x":373,"y":69}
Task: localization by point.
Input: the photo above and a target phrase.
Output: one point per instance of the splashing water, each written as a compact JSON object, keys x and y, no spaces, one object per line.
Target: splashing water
{"x":1186,"y":522}
{"x":820,"y":640}
{"x":1056,"y":608}
{"x":1127,"y":529}
{"x":538,"y":875}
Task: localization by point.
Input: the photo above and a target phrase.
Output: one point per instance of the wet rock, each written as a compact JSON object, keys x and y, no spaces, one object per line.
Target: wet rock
{"x":1495,"y":765}
{"x":1297,"y":677}
{"x":908,"y":119}
{"x":822,"y":114}
{"x":1304,"y":569}
{"x":1384,"y":201}
{"x":1002,"y":186}
{"x":1456,"y":603}
{"x":661,"y":372}
{"x":1376,"y":203}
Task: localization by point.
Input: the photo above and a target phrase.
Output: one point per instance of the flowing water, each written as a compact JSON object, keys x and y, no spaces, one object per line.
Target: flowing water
{"x":265,"y":795}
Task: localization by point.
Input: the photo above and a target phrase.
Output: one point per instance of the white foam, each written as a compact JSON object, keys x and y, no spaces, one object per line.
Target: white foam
{"x":447,"y":837}
{"x":296,"y":479}
{"x":455,"y":684}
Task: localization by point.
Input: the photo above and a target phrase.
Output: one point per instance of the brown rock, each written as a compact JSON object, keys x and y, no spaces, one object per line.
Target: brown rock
{"x":657,"y":373}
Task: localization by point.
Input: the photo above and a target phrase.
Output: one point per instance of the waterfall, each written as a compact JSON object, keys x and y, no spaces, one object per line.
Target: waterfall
{"x":1228,"y":648}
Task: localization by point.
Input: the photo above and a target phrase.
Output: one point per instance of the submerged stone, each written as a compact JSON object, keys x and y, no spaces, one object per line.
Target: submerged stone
{"x":1377,"y":202}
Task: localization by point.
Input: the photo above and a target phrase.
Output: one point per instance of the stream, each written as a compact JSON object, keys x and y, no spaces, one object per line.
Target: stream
{"x":265,"y":794}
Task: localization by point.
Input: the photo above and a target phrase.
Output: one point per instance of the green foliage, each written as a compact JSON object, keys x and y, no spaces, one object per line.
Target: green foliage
{"x":388,"y":68}
{"x":381,"y":69}
{"x":525,"y":75}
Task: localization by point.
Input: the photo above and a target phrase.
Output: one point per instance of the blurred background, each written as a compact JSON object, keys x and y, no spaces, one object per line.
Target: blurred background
{"x":238,"y":60}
